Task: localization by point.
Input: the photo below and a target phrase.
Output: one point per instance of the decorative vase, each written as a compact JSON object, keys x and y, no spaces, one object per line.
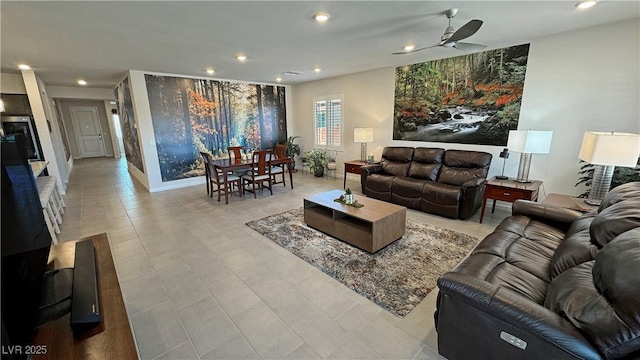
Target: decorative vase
{"x":318,"y":172}
{"x":348,"y":199}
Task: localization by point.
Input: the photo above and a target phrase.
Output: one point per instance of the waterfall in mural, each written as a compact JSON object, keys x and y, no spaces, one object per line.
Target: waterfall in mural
{"x":469,"y":99}
{"x":194,"y":115}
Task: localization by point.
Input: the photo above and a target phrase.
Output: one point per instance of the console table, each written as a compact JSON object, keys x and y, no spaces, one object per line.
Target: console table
{"x":112,"y":338}
{"x":508,"y":190}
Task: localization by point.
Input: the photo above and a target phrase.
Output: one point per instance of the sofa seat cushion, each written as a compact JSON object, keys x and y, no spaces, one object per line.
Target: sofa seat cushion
{"x":441,"y":199}
{"x":602,"y":297}
{"x":378,"y":186}
{"x":516,"y":256}
{"x":407,"y":192}
{"x":441,"y":194}
{"x":407,"y":187}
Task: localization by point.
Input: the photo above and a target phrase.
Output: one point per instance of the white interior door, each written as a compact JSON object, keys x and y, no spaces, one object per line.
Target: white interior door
{"x":86,"y":124}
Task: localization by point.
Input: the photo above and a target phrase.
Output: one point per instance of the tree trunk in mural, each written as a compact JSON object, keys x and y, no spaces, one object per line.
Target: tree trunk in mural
{"x":186,"y":149}
{"x":263,"y":131}
{"x":282,"y":116}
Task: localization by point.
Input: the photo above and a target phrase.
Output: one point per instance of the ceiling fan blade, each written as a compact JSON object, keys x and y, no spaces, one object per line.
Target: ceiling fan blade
{"x":464,"y":32}
{"x":414,"y":50}
{"x":470,"y":47}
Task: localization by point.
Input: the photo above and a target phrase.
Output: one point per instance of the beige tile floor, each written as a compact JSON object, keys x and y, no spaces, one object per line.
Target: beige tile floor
{"x":199,"y":284}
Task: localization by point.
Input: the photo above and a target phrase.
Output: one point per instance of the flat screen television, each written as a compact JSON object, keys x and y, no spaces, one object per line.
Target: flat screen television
{"x":25,"y":245}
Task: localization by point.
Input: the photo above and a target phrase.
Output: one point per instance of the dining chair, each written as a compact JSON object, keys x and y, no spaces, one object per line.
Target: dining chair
{"x":260,"y":172}
{"x":205,"y":158}
{"x":223,"y":182}
{"x":236,"y":151}
{"x":279,"y":153}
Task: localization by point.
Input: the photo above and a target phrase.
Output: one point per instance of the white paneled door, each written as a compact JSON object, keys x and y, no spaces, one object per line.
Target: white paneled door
{"x":86,"y":123}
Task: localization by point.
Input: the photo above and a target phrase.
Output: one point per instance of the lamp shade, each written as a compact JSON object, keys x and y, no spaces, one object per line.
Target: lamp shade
{"x":1,"y":106}
{"x":609,"y":148}
{"x":530,"y":141}
{"x":363,"y":135}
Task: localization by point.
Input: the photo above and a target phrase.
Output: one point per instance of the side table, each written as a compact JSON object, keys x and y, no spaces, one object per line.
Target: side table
{"x":352,"y":167}
{"x":568,"y":202}
{"x":508,"y":190}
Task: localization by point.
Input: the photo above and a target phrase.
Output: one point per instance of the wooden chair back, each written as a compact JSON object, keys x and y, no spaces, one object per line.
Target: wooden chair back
{"x":236,"y":151}
{"x":262,"y":162}
{"x":280,"y":151}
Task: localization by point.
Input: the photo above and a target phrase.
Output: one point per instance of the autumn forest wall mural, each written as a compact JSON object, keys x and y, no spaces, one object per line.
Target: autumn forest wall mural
{"x":469,"y":99}
{"x":194,"y":115}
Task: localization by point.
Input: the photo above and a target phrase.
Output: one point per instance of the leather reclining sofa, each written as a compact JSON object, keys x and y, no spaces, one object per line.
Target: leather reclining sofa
{"x":448,"y":183}
{"x":548,"y":283}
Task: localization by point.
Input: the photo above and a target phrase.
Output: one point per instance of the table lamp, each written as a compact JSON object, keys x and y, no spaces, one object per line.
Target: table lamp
{"x":606,"y":150}
{"x":363,"y":136}
{"x":528,"y":142}
{"x":504,"y":154}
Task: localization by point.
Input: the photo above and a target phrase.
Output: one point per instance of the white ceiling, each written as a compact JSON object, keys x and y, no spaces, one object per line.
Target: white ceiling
{"x":99,"y":40}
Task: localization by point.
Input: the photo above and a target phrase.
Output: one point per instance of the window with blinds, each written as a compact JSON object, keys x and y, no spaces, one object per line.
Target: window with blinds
{"x":327,"y":114}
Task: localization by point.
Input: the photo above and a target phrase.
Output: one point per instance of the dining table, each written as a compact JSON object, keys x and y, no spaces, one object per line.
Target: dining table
{"x":227,"y":165}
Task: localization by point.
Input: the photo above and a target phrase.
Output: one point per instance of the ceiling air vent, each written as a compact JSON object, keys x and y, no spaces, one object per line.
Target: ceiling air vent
{"x":293,"y":73}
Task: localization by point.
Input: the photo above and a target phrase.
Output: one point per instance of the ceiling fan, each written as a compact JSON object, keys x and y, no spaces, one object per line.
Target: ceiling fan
{"x":451,"y":38}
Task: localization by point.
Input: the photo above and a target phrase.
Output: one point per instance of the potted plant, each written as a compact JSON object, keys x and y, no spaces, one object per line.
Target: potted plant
{"x":317,"y":159}
{"x":348,"y":196}
{"x":292,"y":150}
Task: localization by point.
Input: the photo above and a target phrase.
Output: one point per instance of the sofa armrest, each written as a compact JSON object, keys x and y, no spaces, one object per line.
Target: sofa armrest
{"x":496,"y":309}
{"x":472,"y":193}
{"x":367,"y":170}
{"x":555,"y":216}
{"x":473,"y":183}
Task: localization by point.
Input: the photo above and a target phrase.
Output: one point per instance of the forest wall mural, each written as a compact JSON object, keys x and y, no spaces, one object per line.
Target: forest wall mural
{"x":128,"y":124}
{"x":194,"y":115}
{"x":469,"y":99}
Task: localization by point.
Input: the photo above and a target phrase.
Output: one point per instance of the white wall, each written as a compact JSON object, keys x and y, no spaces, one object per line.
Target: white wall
{"x":12,"y":84}
{"x":577,"y":81}
{"x":50,"y":141}
{"x":80,"y":92}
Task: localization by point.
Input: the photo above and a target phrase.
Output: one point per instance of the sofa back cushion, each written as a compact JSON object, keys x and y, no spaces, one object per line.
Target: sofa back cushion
{"x":614,"y":220}
{"x":602,"y":297}
{"x":576,"y":247}
{"x":396,"y":160}
{"x":622,"y":192}
{"x":426,"y":163}
{"x":460,"y":166}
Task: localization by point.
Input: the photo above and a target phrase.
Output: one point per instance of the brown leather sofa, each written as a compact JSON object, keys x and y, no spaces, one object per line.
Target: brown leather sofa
{"x":548,"y":283}
{"x":443,"y":182}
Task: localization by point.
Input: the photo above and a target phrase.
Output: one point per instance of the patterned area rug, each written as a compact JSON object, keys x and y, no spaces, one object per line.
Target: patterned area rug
{"x":397,"y":277}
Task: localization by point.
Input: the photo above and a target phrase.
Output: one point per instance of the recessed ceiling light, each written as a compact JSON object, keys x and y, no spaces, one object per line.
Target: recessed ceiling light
{"x":210,"y":71}
{"x":82,"y":82}
{"x":409,"y":47}
{"x":24,"y":67}
{"x":278,"y":79}
{"x":585,"y":4}
{"x":321,"y":17}
{"x":317,"y":69}
{"x":241,"y":57}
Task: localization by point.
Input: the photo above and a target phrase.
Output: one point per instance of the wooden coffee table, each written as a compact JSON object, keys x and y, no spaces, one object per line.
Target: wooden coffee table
{"x":369,"y":228}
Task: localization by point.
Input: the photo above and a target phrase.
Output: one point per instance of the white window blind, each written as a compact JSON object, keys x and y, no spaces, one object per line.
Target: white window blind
{"x":327,"y":114}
